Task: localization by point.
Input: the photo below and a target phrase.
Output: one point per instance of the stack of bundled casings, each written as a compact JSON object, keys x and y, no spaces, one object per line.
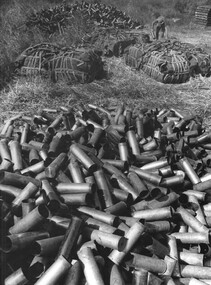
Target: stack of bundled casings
{"x":203,"y":15}
{"x":69,"y":64}
{"x":57,"y":19}
{"x":105,"y":196}
{"x":169,"y":61}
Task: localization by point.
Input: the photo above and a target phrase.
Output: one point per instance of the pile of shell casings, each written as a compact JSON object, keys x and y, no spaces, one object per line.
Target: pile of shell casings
{"x":59,"y":17}
{"x":105,"y":196}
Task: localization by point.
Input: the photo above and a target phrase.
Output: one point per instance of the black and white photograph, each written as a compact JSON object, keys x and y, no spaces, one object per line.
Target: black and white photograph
{"x":105,"y":142}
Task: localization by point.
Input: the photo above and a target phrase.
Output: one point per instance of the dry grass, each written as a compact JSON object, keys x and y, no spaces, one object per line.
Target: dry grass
{"x":122,"y":84}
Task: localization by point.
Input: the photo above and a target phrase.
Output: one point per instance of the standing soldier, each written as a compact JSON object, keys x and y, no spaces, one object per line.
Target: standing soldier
{"x":159,"y":29}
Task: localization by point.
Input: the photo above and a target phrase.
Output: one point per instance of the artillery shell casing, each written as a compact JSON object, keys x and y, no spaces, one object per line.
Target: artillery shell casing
{"x":129,"y":221}
{"x":121,"y":128}
{"x":140,"y":277}
{"x":57,"y":121}
{"x":74,"y":274}
{"x":76,"y":133}
{"x":5,"y":155}
{"x":9,"y":133}
{"x":119,"y":208}
{"x":150,"y":177}
{"x":27,"y":206}
{"x":40,"y":176}
{"x":172,"y":181}
{"x":166,"y":171}
{"x":53,"y":168}
{"x":120,"y":164}
{"x":69,"y":242}
{"x":122,"y":229}
{"x":16,"y":179}
{"x":50,"y":196}
{"x":79,"y":199}
{"x":35,"y":168}
{"x":90,"y":267}
{"x":46,"y":246}
{"x":157,"y":226}
{"x":24,"y":134}
{"x":133,"y":143}
{"x":76,"y":188}
{"x":122,"y":195}
{"x":200,"y":272}
{"x":132,"y":236}
{"x":96,"y":224}
{"x":156,"y":247}
{"x":138,"y":185}
{"x":28,"y":191}
{"x":90,"y":179}
{"x":32,"y":145}
{"x":54,"y":272}
{"x":189,"y":171}
{"x":103,"y":187}
{"x":170,"y":263}
{"x":191,"y":258}
{"x":151,"y":145}
{"x":148,"y":263}
{"x":99,"y":215}
{"x":202,"y":186}
{"x":154,"y":214}
{"x":121,"y":119}
{"x":11,"y":190}
{"x":163,"y":201}
{"x":83,"y":158}
{"x":191,"y":221}
{"x":192,"y":238}
{"x":96,"y":136}
{"x":120,"y":109}
{"x":17,"y":277}
{"x":154,"y":279}
{"x":16,"y":155}
{"x":20,"y":241}
{"x":33,"y":156}
{"x":199,"y":212}
{"x":54,"y":145}
{"x":161,"y":112}
{"x":43,"y":154}
{"x":6,"y":126}
{"x":173,"y":253}
{"x":93,"y":125}
{"x":204,"y":138}
{"x":194,"y":281}
{"x":115,"y":276}
{"x":139,"y":127}
{"x":112,"y":169}
{"x":102,"y":110}
{"x":201,"y":196}
{"x":75,"y":172}
{"x":123,"y":151}
{"x":62,"y":177}
{"x":109,"y":240}
{"x":124,"y":185}
{"x":34,"y":218}
{"x":142,"y":205}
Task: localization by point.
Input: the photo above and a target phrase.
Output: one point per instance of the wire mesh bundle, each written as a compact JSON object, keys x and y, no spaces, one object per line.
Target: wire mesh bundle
{"x":32,"y":61}
{"x":76,"y":66}
{"x":167,"y":68}
{"x":169,"y":61}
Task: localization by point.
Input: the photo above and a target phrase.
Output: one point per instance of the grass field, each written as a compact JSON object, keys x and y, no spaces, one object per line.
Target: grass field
{"x":122,"y":84}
